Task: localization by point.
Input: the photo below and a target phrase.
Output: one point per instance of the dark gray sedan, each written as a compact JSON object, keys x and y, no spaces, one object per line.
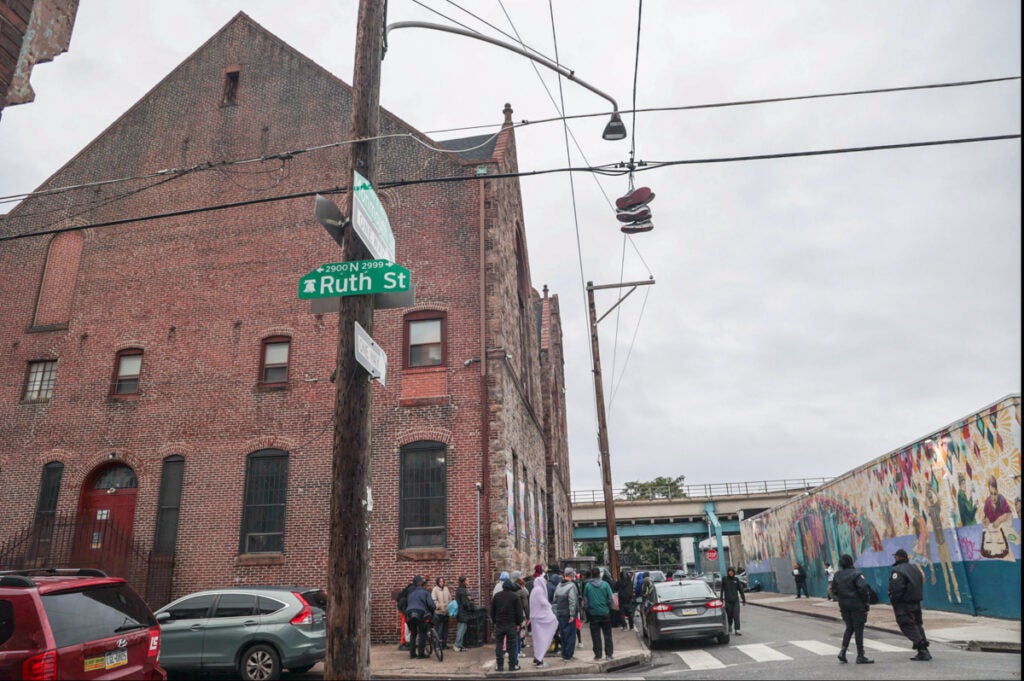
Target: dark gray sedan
{"x":255,"y":630}
{"x":682,"y":610}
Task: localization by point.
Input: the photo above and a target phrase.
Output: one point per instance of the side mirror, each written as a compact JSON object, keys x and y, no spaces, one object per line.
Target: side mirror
{"x":163,"y":616}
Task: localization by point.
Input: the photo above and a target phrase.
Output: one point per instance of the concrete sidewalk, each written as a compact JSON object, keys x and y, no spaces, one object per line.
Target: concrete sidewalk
{"x":387,"y":662}
{"x":965,"y":631}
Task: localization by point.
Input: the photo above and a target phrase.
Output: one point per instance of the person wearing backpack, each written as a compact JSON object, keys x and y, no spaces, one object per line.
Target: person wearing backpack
{"x":567,"y":608}
{"x":597,"y":604}
{"x":442,"y":597}
{"x":850,"y":588}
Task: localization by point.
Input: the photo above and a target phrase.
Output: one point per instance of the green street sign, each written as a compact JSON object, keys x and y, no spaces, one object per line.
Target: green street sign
{"x":356,"y":278}
{"x":370,"y":221}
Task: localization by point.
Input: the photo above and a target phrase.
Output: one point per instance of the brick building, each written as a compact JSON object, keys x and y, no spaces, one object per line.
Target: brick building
{"x":31,"y":32}
{"x":167,"y":398}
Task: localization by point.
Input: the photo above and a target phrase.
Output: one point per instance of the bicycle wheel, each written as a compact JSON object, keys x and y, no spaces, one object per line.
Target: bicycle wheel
{"x":429,"y":647}
{"x":438,"y":648}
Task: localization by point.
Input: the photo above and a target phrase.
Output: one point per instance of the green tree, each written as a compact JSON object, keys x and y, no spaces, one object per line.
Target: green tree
{"x":661,"y":487}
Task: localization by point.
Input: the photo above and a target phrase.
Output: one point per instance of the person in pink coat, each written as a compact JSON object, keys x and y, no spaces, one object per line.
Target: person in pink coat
{"x":543,"y":622}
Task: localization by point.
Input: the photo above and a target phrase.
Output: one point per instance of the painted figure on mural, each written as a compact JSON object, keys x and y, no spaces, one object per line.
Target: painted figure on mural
{"x":965,"y":505}
{"x":998,"y":523}
{"x":922,"y":554}
{"x":935,"y":515}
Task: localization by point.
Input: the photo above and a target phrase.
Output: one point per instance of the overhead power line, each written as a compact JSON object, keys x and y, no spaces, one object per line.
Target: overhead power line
{"x":605,"y":170}
{"x":288,"y":155}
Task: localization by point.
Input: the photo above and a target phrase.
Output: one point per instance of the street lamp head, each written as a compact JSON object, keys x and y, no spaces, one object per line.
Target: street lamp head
{"x":616,"y":129}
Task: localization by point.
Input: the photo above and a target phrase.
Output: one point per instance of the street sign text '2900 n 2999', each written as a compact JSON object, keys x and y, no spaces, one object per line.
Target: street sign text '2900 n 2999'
{"x":355,"y":278}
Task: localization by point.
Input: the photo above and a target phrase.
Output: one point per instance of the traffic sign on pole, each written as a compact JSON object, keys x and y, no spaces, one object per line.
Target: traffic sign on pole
{"x":356,"y":278}
{"x":370,"y":355}
{"x":370,"y":221}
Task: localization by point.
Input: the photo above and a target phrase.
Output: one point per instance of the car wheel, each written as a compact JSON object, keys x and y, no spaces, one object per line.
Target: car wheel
{"x":722,"y":639}
{"x":300,"y":670}
{"x":259,"y":663}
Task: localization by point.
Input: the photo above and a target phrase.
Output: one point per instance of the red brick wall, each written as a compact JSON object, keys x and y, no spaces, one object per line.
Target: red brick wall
{"x":198,"y":292}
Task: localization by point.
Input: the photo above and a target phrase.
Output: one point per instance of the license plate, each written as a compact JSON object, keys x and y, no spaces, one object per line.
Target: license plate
{"x":689,"y":611}
{"x":115,"y":658}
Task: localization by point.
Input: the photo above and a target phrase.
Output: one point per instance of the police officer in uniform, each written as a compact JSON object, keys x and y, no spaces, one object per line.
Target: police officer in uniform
{"x":906,"y":590}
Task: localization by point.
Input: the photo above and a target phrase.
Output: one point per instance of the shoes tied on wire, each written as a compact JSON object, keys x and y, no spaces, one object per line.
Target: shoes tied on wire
{"x":633,"y":211}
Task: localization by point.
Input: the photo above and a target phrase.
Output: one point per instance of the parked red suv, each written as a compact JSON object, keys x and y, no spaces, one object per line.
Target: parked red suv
{"x":75,"y":624}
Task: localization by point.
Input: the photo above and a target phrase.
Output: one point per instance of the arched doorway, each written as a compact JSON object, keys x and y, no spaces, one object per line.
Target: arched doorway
{"x":106,"y":516}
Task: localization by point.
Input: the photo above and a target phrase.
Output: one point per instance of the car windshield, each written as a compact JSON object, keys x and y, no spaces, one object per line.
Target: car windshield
{"x":657,"y":576}
{"x":670,"y":591}
{"x":93,"y":614}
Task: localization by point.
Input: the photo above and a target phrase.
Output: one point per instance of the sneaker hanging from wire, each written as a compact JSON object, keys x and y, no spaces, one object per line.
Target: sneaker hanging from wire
{"x":635,"y":197}
{"x":637,"y":227}
{"x":634,"y":214}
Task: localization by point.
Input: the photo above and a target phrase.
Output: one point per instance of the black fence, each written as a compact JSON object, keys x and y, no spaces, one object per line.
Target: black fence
{"x":65,"y":542}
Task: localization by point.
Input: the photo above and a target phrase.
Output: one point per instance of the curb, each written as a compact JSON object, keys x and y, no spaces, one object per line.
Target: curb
{"x":984,"y":646}
{"x":555,"y":669}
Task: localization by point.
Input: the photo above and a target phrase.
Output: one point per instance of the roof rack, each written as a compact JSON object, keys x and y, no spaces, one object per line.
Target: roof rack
{"x":22,"y":577}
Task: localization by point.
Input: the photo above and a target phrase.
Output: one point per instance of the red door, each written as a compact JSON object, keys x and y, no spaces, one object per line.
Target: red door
{"x":106,"y":516}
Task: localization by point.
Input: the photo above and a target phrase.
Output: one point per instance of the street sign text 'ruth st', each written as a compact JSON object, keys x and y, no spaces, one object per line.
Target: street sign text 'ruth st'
{"x":356,"y":278}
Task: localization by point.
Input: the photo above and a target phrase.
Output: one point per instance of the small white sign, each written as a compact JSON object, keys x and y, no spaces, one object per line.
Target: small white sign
{"x":370,"y":355}
{"x":618,"y":543}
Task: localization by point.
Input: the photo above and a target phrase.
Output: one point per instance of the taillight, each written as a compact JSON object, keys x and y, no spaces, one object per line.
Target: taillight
{"x":714,"y":604}
{"x":41,"y":667}
{"x":154,"y":644}
{"x":305,"y":615}
{"x":661,"y":607}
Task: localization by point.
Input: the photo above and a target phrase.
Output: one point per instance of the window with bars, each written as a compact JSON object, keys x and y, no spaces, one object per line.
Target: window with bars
{"x":263,"y":512}
{"x":42,"y":375}
{"x":424,"y":496}
{"x":425,"y":339}
{"x":127,"y":368}
{"x":274,"y":361}
{"x":169,"y":505}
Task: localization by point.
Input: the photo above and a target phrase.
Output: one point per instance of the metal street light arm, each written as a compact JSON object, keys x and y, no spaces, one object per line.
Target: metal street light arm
{"x":543,"y":61}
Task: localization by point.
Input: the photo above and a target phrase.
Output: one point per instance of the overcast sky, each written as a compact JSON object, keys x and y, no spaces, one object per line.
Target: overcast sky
{"x":809,"y":314}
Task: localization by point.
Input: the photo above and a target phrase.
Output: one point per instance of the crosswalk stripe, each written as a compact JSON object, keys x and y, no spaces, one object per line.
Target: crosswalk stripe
{"x":885,"y":647}
{"x":759,"y":652}
{"x":817,"y":647}
{"x":699,"y":659}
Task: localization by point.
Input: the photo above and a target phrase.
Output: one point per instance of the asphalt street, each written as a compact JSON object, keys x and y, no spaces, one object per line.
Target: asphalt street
{"x":781,"y":645}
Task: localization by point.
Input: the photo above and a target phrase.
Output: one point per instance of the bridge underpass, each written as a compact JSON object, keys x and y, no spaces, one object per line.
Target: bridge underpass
{"x":701,"y":512}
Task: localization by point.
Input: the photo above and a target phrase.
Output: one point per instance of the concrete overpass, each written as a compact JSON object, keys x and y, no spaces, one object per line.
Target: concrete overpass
{"x":712,"y":510}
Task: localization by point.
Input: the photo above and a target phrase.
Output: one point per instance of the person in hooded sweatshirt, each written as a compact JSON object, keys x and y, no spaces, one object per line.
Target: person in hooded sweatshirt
{"x":597,"y":596}
{"x":507,"y":615}
{"x":417,"y":612}
{"x":732,"y":593}
{"x":542,"y":617}
{"x":851,"y":591}
{"x":501,"y":580}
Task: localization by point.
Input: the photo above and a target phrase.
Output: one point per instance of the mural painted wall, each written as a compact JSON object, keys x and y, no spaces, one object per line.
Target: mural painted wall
{"x":951,"y":500}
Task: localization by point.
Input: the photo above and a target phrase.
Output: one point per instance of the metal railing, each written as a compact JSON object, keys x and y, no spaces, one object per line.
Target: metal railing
{"x":705,"y":491}
{"x":64,"y":541}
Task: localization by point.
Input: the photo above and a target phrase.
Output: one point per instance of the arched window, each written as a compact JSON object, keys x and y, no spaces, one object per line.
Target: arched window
{"x":263,"y":511}
{"x":56,"y":292}
{"x":424,"y":495}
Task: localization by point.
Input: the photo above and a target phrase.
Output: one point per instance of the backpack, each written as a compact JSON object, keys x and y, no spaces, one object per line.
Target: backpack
{"x":453,"y":609}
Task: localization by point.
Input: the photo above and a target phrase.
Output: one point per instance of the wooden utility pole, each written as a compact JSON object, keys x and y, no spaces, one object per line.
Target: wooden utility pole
{"x":602,"y":424}
{"x":348,"y":578}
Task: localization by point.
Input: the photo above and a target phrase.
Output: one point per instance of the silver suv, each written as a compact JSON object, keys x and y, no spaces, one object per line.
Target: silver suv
{"x":254,"y":630}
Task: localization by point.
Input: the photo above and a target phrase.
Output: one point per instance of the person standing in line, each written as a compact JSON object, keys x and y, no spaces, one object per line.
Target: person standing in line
{"x":465,"y":613}
{"x":597,"y":599}
{"x":507,"y":615}
{"x":624,"y":587}
{"x":850,"y":589}
{"x":800,"y":577}
{"x":906,"y":591}
{"x":402,"y":602}
{"x":442,"y":596}
{"x":830,"y":573}
{"x":502,"y":578}
{"x":553,"y":580}
{"x":416,"y":614}
{"x":524,"y":598}
{"x":544,"y":623}
{"x":567,"y":609}
{"x":732,"y":593}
